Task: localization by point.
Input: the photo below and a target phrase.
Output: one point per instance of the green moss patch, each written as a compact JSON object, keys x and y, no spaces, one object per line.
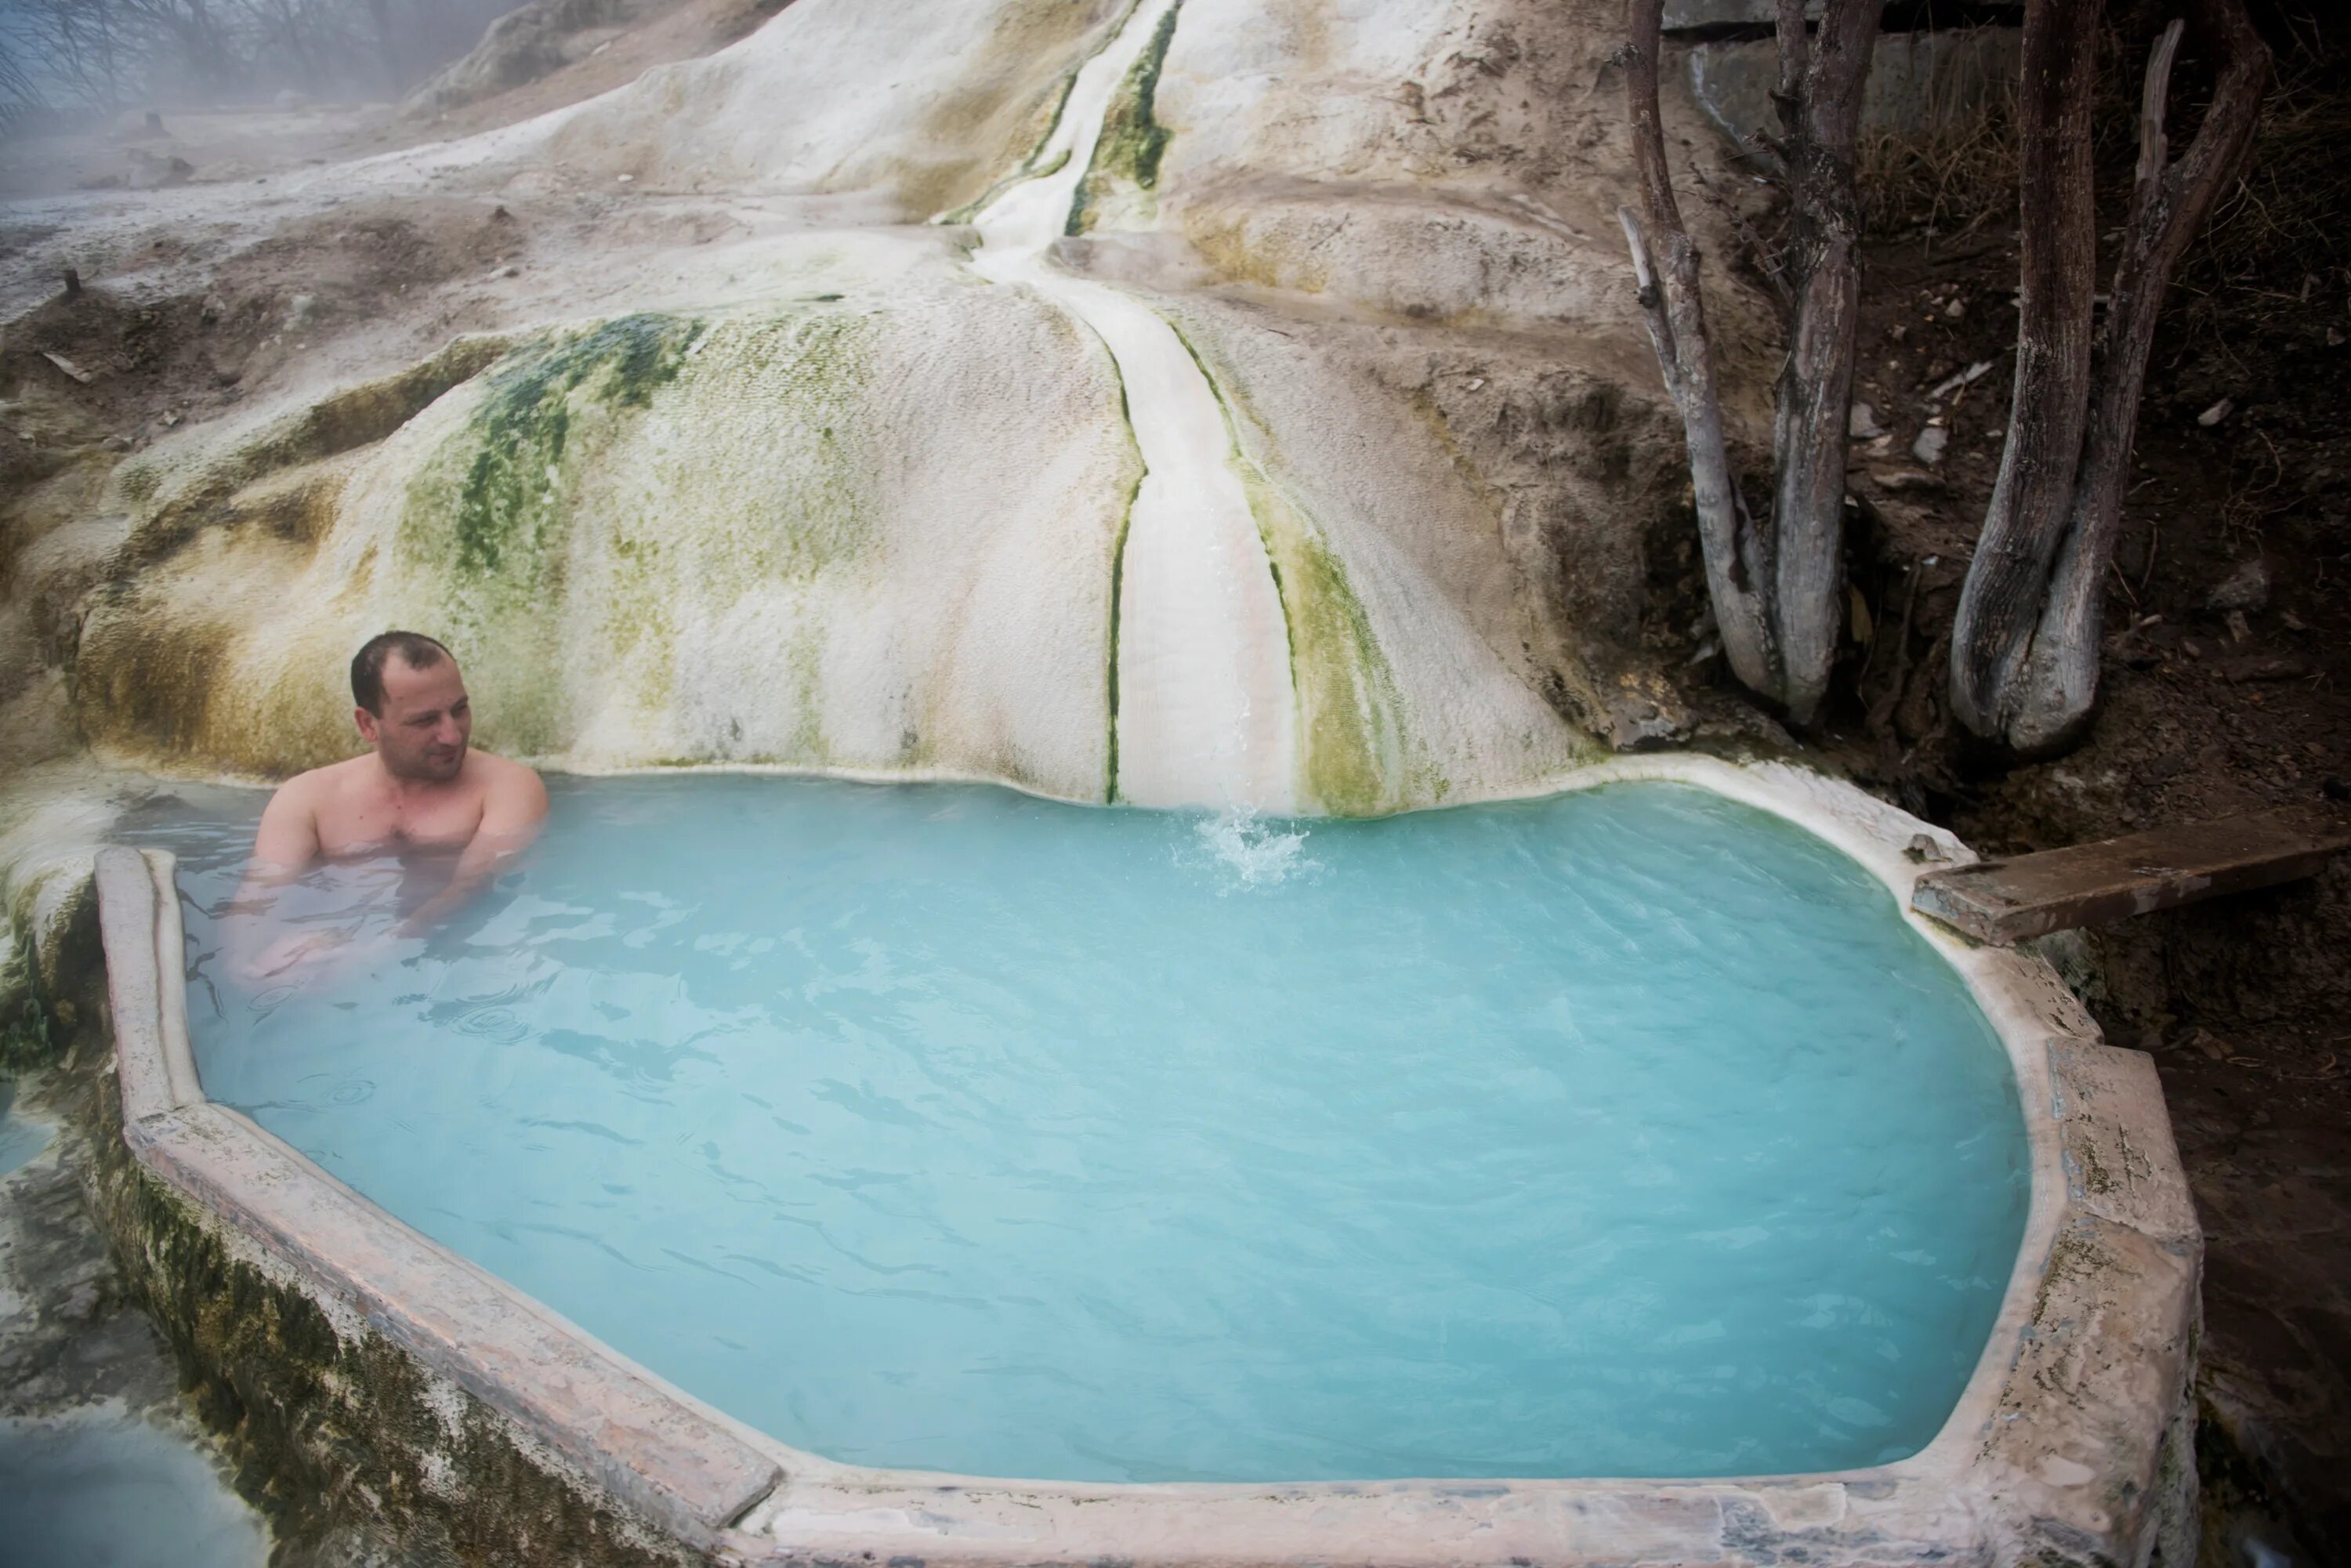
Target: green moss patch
{"x":1126,"y":156}
{"x":521,"y":427}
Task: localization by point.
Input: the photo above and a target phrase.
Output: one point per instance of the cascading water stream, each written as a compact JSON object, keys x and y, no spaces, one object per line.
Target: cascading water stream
{"x":1205,"y":714}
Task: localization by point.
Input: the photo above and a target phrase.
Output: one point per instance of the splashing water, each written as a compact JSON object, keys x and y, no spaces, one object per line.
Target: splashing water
{"x":1255,"y":853}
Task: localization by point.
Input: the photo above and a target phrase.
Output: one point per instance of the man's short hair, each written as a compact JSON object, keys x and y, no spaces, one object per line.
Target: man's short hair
{"x":417,"y":651}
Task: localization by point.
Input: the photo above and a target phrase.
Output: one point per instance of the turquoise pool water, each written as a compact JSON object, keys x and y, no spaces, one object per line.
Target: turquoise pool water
{"x":1629,"y":1132}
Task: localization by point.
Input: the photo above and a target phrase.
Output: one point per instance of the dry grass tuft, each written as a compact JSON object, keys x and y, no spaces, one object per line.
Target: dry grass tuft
{"x":2286,"y":226}
{"x":1943,"y":182}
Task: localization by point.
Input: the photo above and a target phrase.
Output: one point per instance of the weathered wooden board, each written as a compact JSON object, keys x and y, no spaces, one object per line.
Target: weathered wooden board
{"x":2005,"y":902}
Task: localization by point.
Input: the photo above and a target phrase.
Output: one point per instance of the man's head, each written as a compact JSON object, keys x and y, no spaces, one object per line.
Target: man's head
{"x":412,"y":706}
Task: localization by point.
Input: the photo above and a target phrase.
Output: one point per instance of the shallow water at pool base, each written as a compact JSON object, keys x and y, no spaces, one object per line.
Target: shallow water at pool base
{"x":1627,"y":1132}
{"x":100,"y":1487}
{"x":22,"y":1138}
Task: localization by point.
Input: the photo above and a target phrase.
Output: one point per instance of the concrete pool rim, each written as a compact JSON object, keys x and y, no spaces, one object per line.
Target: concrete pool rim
{"x":2068,"y":1442}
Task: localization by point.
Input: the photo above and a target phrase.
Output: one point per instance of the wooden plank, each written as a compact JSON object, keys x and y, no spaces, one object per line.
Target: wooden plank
{"x":2006,"y":902}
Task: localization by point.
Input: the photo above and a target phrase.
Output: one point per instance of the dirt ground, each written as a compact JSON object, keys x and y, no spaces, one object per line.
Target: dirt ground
{"x":2227,"y":688}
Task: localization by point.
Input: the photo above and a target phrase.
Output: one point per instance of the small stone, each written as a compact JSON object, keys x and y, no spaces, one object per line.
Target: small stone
{"x":1956,"y":309}
{"x":1861,"y":422}
{"x":1928,"y":447}
{"x":2245,"y":589}
{"x":69,"y":367}
{"x":2216,"y":413}
{"x":2238,"y":630}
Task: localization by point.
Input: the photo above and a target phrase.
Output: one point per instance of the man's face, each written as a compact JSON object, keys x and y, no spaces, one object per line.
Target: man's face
{"x":426,"y":721}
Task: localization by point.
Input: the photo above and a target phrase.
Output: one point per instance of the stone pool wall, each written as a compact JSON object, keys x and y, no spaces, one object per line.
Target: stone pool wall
{"x":331,"y":1413}
{"x":358,"y":1365}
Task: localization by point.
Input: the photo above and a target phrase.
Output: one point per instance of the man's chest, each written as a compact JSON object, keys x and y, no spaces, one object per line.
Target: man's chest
{"x":367,"y":822}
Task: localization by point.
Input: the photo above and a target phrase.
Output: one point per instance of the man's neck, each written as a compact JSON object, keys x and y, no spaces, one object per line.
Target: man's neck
{"x":409,"y":791}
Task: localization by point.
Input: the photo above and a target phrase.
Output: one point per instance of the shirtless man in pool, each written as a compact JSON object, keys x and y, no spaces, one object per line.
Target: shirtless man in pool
{"x":421,"y":786}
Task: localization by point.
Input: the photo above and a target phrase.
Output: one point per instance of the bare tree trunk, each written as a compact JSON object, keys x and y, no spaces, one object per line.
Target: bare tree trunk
{"x":1738,"y":568}
{"x":2024,"y":650}
{"x":2049,"y":401}
{"x":1774,"y":585}
{"x":1819,"y":100}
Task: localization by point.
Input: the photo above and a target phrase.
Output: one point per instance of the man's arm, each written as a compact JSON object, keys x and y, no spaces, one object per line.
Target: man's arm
{"x":512,"y":810}
{"x":283,"y":848}
{"x":287,"y":841}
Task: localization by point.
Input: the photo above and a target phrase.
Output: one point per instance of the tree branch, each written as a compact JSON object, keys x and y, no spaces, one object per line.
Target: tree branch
{"x":1671,"y":306}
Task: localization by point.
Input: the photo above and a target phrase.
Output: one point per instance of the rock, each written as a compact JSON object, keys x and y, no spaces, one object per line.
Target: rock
{"x":1685,"y":16}
{"x":69,"y":367}
{"x":1928,"y":447}
{"x":1897,"y":480}
{"x":1957,"y":379}
{"x":1918,"y":81}
{"x":153,"y":172}
{"x":2255,"y":669}
{"x":1861,"y":422}
{"x":1924,"y":850}
{"x":2216,"y":413}
{"x":2245,"y":589}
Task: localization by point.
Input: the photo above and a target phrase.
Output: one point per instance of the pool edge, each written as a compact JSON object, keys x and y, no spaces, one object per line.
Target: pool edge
{"x":2070,"y":1443}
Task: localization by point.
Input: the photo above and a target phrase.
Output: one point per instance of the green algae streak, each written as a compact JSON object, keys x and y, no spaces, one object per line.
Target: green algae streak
{"x":525,"y":420}
{"x":1132,"y":140}
{"x":1357,"y":758}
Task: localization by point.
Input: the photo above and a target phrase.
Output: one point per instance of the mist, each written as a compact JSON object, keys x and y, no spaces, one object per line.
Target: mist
{"x":67,"y":64}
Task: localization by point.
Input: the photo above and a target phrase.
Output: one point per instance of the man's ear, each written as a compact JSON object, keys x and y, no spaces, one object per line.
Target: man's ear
{"x":368,"y":724}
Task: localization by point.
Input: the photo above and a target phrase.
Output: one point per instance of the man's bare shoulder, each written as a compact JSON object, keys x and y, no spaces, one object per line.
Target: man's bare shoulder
{"x":508,"y":784}
{"x":501,"y":773}
{"x":496,"y":767}
{"x":319,"y":783}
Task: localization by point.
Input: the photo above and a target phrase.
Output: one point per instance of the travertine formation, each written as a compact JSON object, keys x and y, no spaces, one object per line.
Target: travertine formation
{"x":829,"y":495}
